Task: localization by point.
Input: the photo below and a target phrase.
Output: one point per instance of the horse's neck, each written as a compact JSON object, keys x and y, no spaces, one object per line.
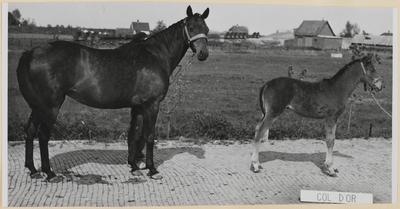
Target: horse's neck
{"x":347,"y":79}
{"x":170,"y":44}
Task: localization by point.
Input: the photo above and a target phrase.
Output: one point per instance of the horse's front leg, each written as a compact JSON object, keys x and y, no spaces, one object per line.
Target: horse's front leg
{"x":330,"y":129}
{"x":134,"y":136}
{"x":149,"y":135}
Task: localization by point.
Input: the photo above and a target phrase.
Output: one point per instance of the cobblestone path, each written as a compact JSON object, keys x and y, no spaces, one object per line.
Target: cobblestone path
{"x":96,"y":174}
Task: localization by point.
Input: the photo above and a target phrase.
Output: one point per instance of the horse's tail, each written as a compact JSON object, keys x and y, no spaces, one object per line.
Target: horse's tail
{"x":33,"y":98}
{"x":261,"y":98}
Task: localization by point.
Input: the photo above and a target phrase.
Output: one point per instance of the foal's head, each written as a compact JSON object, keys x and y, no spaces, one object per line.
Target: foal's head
{"x":371,"y":77}
{"x":196,"y":32}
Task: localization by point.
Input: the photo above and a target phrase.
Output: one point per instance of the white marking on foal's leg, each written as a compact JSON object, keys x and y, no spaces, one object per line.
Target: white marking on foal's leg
{"x":330,"y":142}
{"x":255,"y":161}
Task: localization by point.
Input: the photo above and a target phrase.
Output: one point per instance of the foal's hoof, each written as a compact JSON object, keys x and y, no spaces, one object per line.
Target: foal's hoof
{"x":330,"y":171}
{"x":254,"y":169}
{"x":156,"y":176}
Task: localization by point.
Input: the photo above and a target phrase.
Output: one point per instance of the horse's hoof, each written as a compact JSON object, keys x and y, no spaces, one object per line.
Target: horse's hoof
{"x":336,"y":170}
{"x":137,"y":173}
{"x":55,"y":179}
{"x":142,"y":165}
{"x":156,"y":176}
{"x":36,"y":175}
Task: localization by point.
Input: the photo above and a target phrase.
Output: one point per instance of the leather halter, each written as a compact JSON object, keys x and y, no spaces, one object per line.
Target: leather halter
{"x":194,"y":38}
{"x":375,"y":80}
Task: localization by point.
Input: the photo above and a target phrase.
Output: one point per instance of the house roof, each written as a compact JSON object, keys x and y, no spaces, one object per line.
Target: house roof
{"x":372,"y":40}
{"x":238,"y":29}
{"x":140,"y":26}
{"x":312,"y":28}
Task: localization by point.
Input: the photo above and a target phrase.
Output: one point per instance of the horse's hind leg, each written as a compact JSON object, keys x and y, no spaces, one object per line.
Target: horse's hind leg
{"x":330,"y":129}
{"x":44,"y":137}
{"x":31,"y":130}
{"x":44,"y":134}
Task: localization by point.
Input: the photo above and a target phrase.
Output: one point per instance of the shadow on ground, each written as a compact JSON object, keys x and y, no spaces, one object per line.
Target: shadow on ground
{"x":317,"y":158}
{"x":62,"y":163}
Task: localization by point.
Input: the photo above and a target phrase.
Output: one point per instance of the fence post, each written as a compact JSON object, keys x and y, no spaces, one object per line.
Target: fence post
{"x":370,"y":130}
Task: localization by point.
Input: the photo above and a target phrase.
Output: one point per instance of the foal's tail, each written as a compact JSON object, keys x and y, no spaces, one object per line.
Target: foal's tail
{"x":33,"y":98}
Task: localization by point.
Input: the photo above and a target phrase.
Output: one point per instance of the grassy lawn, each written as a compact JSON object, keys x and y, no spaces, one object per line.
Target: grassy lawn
{"x":220,"y":100}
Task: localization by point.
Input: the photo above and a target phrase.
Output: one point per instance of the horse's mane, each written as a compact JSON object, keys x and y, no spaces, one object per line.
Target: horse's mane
{"x":163,"y":33}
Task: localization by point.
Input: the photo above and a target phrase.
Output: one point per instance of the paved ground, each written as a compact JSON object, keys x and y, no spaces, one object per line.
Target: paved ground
{"x":97,"y":174}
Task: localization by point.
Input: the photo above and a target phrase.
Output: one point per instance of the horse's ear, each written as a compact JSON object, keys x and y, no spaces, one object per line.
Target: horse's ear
{"x":205,"y":13}
{"x":189,"y":11}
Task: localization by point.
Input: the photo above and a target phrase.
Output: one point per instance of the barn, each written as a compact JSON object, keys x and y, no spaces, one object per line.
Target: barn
{"x":382,"y":42}
{"x":316,"y":34}
{"x":138,"y":27}
{"x":237,"y":31}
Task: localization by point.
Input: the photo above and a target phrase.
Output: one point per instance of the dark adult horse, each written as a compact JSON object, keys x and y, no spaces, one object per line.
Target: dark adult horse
{"x":325,"y":99}
{"x":135,"y":75}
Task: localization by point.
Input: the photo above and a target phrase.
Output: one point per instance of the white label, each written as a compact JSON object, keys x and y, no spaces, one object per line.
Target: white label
{"x":335,"y":197}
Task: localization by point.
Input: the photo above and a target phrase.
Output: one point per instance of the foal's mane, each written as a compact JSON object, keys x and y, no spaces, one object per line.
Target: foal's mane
{"x":343,"y":69}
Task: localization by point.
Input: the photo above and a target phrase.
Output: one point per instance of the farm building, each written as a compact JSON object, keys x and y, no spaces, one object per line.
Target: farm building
{"x":123,"y":32}
{"x":138,"y":27}
{"x":371,"y":41}
{"x":240,"y":32}
{"x":316,"y":34}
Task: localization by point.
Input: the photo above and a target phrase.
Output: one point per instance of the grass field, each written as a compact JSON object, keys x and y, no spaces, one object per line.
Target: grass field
{"x":220,"y":100}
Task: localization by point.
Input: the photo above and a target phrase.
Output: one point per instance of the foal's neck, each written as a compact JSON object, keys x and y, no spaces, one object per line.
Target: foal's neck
{"x":347,"y":79}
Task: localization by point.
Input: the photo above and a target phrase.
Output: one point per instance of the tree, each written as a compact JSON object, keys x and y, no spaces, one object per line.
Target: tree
{"x":17,"y":14}
{"x":12,"y":20}
{"x":159,"y":27}
{"x":350,"y":30}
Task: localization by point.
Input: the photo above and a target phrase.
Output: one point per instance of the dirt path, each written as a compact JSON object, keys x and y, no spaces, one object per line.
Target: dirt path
{"x":97,"y":174}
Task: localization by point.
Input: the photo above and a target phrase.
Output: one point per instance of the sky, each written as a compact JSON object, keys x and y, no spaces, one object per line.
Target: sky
{"x":265,"y":19}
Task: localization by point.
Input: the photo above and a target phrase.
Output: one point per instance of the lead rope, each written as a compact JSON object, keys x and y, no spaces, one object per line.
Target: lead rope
{"x":372,"y":95}
{"x":182,"y":70}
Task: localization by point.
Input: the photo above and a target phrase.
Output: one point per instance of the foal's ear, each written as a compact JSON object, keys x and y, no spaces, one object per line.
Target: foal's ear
{"x":205,"y":13}
{"x":189,"y":11}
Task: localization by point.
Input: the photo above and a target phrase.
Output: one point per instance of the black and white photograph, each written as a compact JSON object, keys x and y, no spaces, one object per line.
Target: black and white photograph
{"x":115,"y":104}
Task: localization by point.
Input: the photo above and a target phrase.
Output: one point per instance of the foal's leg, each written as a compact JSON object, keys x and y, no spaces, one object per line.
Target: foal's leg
{"x":134,"y":135}
{"x":31,"y":130}
{"x":330,"y":129}
{"x":262,"y":131}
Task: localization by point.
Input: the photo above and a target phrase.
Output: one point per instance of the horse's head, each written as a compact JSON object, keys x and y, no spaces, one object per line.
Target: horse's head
{"x":371,"y":77}
{"x":196,"y":32}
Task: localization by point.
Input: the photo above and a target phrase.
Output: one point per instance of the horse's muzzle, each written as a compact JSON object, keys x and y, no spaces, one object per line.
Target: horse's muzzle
{"x":377,"y":84}
{"x":200,"y":48}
